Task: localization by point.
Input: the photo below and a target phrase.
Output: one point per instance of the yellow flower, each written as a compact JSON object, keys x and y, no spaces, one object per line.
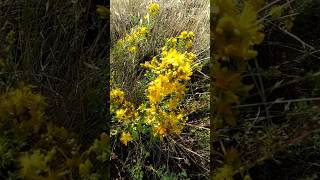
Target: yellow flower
{"x":125,"y":138}
{"x":190,"y":34}
{"x":31,"y":163}
{"x":174,"y":41}
{"x":117,"y":96}
{"x":150,"y":119}
{"x":130,"y":112}
{"x":173,"y":58}
{"x":23,"y":104}
{"x":160,"y":130}
{"x":142,"y":31}
{"x":236,"y":34}
{"x":184,"y":72}
{"x":154,"y":9}
{"x":153,"y":94}
{"x":183,"y":35}
{"x":132,"y":49}
{"x":121,"y":114}
{"x":172,"y":104}
{"x":120,"y":42}
{"x":180,"y":116}
{"x":188,"y":44}
{"x":142,"y":108}
{"x":130,"y":38}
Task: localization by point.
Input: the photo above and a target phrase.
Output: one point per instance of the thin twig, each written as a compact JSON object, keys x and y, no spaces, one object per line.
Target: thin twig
{"x":279,"y":102}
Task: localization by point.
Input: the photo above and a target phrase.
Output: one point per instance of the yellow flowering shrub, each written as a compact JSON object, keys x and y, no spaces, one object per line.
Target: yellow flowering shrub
{"x":172,"y":71}
{"x":238,"y":26}
{"x":164,"y":93}
{"x":161,"y":113}
{"x":31,"y":148}
{"x":23,"y":108}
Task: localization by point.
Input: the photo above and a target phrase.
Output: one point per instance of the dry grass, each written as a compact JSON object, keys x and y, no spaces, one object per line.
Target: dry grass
{"x":174,"y":17}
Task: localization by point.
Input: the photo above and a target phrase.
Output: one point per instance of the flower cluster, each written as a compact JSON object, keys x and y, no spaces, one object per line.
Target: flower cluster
{"x":124,"y":111}
{"x":37,"y":147}
{"x":166,"y":91}
{"x":187,"y":38}
{"x":154,"y":9}
{"x":117,"y":96}
{"x":236,"y":32}
{"x":125,"y":138}
{"x":161,"y":113}
{"x":24,"y":108}
{"x":132,"y":40}
{"x":140,"y":33}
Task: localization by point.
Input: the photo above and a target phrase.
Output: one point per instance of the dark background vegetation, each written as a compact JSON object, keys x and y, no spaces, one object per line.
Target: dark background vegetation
{"x":298,"y":67}
{"x":277,"y":132}
{"x":61,"y":47}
